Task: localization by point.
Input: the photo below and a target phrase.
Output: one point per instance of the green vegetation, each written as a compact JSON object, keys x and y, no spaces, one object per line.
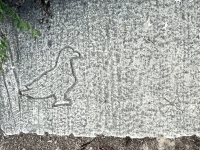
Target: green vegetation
{"x":8,"y":13}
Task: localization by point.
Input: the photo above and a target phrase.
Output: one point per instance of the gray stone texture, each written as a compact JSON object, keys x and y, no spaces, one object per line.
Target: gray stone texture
{"x":123,"y":68}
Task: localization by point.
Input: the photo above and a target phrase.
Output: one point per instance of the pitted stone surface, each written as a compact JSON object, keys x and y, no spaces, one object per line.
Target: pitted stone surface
{"x":135,"y":70}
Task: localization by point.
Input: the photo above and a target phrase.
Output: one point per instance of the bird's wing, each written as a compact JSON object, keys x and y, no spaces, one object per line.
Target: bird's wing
{"x":40,"y":76}
{"x":42,"y":87}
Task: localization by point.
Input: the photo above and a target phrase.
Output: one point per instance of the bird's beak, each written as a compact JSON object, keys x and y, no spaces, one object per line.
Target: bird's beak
{"x":76,"y":55}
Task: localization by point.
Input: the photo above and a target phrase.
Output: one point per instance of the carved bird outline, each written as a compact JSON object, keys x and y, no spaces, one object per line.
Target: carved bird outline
{"x":55,"y":82}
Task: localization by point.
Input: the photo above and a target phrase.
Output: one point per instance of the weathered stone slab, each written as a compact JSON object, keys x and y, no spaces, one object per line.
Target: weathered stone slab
{"x":105,"y":67}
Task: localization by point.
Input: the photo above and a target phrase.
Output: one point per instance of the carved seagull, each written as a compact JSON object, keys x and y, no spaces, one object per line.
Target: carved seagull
{"x":55,"y":82}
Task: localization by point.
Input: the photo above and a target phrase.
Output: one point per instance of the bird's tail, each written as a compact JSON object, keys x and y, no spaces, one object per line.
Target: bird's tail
{"x":22,"y":90}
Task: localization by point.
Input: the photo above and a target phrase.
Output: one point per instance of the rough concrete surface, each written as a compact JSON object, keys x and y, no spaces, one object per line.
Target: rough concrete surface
{"x":111,"y":67}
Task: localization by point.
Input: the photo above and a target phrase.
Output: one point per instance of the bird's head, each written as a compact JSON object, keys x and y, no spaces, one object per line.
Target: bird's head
{"x":68,"y":53}
{"x":75,"y":54}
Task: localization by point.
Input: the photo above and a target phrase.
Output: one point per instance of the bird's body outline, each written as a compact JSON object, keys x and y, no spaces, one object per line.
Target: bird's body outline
{"x":53,"y":94}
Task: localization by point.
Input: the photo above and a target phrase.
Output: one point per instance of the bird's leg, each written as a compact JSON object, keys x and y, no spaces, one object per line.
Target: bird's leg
{"x":60,"y":100}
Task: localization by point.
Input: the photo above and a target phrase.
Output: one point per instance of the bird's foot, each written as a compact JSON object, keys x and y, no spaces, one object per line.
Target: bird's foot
{"x":62,"y":103}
